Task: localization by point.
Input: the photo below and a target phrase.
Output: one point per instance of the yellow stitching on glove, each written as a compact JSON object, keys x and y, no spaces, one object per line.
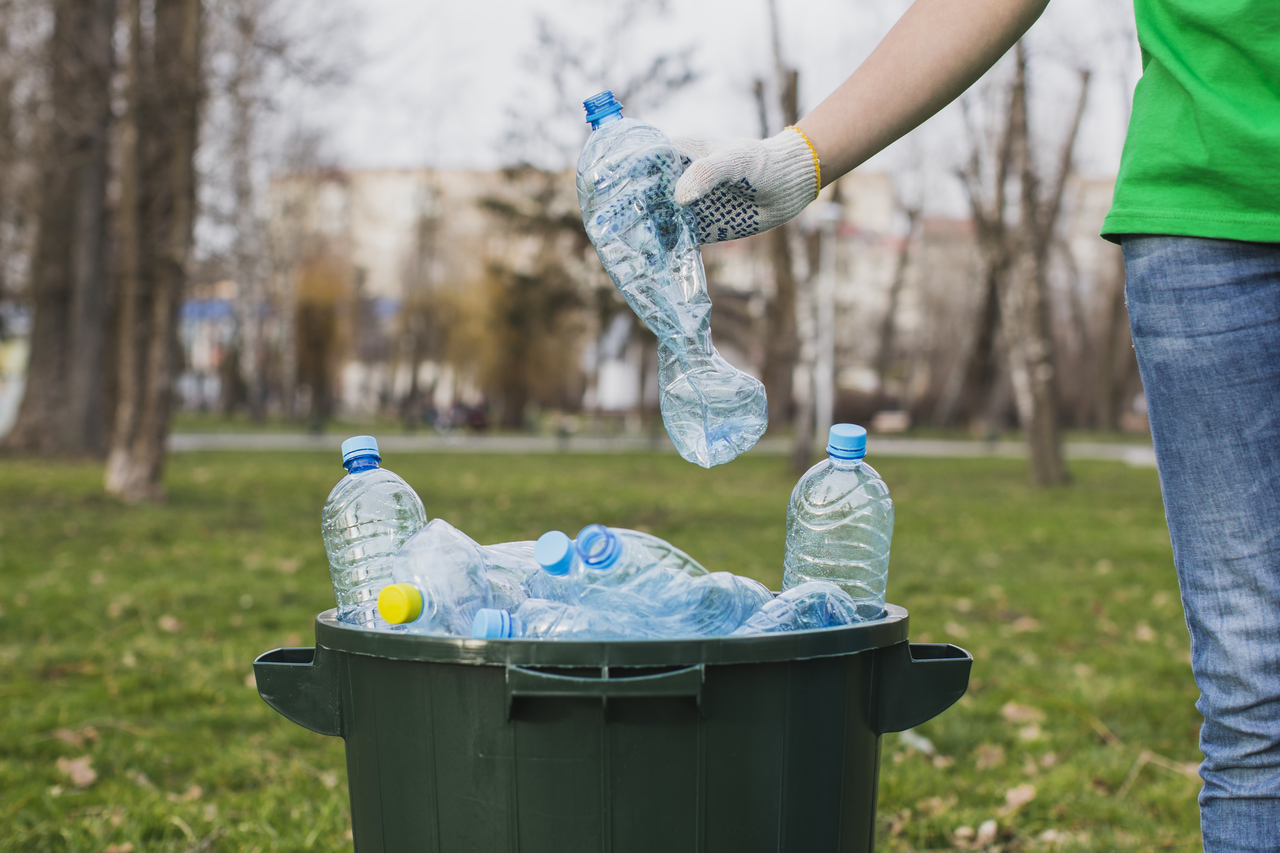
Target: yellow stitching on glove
{"x":817,"y":164}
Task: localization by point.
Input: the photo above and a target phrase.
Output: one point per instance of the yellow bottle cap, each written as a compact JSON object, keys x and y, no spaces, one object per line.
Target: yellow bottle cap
{"x":400,"y":603}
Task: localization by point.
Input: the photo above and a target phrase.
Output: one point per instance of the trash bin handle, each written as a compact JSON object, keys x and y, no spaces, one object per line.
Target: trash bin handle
{"x":914,"y":682}
{"x":522,"y":682}
{"x":302,"y":684}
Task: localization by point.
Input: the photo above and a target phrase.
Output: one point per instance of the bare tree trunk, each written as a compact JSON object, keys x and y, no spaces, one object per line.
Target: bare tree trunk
{"x":1030,"y":329}
{"x":159,"y":176}
{"x":974,"y":400}
{"x":1116,"y":361}
{"x":969,"y":402}
{"x":250,"y":350}
{"x":888,"y":326}
{"x":61,"y":411}
{"x":782,"y":346}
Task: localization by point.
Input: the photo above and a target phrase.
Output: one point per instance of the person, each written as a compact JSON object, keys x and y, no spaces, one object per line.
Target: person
{"x":1196,"y":210}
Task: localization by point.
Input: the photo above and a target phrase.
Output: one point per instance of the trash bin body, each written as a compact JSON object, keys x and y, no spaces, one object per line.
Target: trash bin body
{"x":724,"y":745}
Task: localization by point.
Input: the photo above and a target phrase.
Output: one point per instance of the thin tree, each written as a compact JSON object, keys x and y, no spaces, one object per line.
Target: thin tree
{"x":887,"y":351}
{"x":1015,"y":242}
{"x":1027,"y":307}
{"x":157,"y":215}
{"x":531,"y":302}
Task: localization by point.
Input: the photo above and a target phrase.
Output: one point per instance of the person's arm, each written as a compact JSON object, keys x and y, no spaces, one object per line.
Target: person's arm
{"x":938,"y":49}
{"x":933,"y":53}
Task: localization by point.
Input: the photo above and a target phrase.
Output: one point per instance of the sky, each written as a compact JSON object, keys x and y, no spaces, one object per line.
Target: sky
{"x":439,"y":80}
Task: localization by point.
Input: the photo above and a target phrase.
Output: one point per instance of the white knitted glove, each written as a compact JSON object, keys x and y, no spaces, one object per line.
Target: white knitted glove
{"x":740,"y":187}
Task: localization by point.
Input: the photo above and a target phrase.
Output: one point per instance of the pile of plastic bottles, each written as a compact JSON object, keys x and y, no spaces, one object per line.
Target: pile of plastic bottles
{"x":394,"y":570}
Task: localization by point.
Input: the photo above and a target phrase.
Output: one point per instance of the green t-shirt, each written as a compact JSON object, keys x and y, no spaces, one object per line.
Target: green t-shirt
{"x":1202,"y":156}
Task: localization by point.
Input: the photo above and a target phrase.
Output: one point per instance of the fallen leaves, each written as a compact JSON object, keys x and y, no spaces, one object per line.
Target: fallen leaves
{"x":1016,"y":713}
{"x":988,"y":755}
{"x":937,"y":806}
{"x":79,"y":770}
{"x":77,"y":738}
{"x":168,"y":624}
{"x":1017,"y":797}
{"x":965,"y":838}
{"x":193,"y":793}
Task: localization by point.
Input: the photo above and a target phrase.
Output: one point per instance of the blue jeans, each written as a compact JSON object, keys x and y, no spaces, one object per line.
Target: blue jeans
{"x":1205,"y":316}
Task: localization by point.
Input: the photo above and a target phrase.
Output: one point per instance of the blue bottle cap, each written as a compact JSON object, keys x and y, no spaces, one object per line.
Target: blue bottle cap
{"x":847,"y":441}
{"x":357,"y":446}
{"x":554,"y":552}
{"x":601,"y":105}
{"x":491,"y":624}
{"x":597,"y":546}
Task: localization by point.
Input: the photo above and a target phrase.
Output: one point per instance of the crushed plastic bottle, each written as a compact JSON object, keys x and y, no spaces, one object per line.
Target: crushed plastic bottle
{"x":368,"y":516}
{"x":515,"y":575}
{"x":554,"y":620}
{"x":626,"y":181}
{"x":840,"y":524}
{"x":612,"y":557}
{"x":809,"y":606}
{"x":439,"y":582}
{"x":641,"y":578}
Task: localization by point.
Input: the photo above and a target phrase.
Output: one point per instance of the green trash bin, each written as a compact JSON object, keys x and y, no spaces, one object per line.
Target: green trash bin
{"x":722,"y":745}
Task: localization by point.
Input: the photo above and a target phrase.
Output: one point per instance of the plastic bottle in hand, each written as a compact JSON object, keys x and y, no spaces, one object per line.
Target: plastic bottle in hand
{"x":811,"y":605}
{"x":369,"y":515}
{"x":626,"y":182}
{"x":553,"y":620}
{"x":840,"y":524}
{"x":439,"y":582}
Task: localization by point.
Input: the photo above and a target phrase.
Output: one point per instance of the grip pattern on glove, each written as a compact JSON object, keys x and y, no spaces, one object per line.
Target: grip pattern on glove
{"x":728,"y":212}
{"x":740,"y":187}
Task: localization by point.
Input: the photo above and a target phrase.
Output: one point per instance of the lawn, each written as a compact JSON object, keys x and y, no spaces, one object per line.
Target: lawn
{"x":129,"y":721}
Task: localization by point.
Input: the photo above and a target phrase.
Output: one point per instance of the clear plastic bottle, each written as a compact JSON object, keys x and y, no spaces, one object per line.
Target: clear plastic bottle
{"x":626,"y":182}
{"x":642,"y":578}
{"x":439,"y":582}
{"x":369,"y":515}
{"x":515,"y":575}
{"x":614,"y":557}
{"x":840,"y":524}
{"x":554,"y":620}
{"x":711,"y":605}
{"x":811,"y":605}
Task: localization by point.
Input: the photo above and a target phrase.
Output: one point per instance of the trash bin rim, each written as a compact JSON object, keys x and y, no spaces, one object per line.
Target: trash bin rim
{"x":765,"y":648}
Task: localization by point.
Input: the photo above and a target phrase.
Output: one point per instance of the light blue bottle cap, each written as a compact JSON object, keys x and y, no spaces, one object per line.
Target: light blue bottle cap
{"x":601,"y":105}
{"x":491,"y":624}
{"x":597,"y":546}
{"x":554,"y":552}
{"x":847,"y":441}
{"x":359,"y":445}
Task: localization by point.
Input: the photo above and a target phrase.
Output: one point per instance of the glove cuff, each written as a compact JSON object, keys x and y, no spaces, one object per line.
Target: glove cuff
{"x":793,"y":176}
{"x":817,"y":164}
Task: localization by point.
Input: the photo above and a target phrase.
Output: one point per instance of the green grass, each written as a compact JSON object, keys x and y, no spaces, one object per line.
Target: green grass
{"x":126,"y":637}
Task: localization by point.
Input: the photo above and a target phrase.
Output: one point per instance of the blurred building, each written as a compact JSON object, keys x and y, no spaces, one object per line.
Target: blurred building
{"x":386,"y":287}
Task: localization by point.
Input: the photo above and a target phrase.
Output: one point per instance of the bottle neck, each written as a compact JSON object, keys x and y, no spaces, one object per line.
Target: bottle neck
{"x":609,"y":119}
{"x":362,"y":463}
{"x":597,"y":547}
{"x":845,"y":462}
